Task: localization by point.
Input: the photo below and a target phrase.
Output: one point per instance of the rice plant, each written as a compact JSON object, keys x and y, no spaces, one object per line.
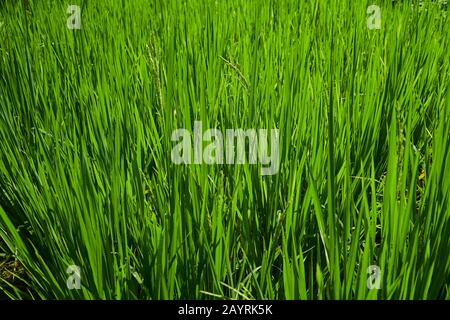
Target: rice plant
{"x":86,"y":175}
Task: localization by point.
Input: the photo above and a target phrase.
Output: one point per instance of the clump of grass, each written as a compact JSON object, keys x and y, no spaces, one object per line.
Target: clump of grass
{"x":86,"y":176}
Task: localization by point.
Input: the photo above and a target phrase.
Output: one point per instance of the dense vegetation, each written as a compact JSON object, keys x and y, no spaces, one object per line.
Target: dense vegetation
{"x":86,"y":176}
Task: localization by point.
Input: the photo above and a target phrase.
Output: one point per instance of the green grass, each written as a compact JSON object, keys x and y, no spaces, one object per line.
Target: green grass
{"x":86,"y":176}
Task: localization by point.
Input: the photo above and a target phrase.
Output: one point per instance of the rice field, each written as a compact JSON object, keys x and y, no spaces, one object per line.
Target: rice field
{"x":93,"y":205}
